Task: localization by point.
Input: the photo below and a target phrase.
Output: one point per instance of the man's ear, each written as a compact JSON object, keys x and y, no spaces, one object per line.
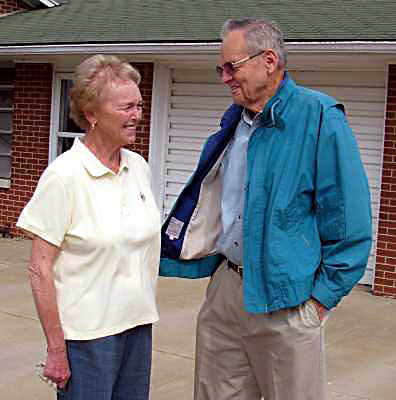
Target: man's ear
{"x":271,"y":60}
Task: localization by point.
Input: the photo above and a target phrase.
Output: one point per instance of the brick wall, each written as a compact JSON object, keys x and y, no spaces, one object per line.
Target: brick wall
{"x":30,"y":138}
{"x":9,"y":6}
{"x":385,"y":272}
{"x":141,"y":145}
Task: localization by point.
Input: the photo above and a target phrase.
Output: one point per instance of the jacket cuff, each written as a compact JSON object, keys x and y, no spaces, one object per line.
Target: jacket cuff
{"x":324,"y":295}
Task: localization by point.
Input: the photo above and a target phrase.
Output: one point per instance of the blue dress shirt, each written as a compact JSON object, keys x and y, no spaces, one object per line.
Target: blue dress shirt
{"x":233,"y":167}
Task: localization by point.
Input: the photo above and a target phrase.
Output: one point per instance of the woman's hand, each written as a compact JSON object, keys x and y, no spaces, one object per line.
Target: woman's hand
{"x":57,"y":367}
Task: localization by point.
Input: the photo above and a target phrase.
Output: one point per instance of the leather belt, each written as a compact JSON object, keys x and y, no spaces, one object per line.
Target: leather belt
{"x":236,"y":268}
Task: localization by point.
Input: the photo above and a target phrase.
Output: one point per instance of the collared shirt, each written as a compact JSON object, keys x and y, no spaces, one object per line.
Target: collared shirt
{"x":107,"y":226}
{"x":233,"y":167}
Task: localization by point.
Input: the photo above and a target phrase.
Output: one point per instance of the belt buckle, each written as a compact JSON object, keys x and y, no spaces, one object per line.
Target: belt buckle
{"x":236,"y":268}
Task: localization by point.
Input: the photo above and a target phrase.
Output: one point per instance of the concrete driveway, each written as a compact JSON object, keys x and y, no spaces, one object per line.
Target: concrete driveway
{"x":361,"y":338}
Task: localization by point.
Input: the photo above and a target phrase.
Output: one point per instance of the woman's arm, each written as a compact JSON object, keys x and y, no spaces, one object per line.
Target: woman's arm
{"x":44,"y":293}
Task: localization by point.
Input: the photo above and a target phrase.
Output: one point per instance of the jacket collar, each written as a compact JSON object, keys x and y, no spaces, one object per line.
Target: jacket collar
{"x":93,"y":166}
{"x":270,"y":114}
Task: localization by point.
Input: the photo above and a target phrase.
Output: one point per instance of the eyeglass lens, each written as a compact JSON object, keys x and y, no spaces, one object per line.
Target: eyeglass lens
{"x":227,"y":67}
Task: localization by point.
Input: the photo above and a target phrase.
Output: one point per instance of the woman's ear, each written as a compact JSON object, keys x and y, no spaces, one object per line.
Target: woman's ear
{"x":91,"y":118}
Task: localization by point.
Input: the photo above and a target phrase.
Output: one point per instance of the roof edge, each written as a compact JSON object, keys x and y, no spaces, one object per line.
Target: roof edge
{"x":41,"y":3}
{"x":197,"y":47}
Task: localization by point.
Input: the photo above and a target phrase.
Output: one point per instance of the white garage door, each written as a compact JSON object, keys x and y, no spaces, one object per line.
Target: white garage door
{"x":198,"y":101}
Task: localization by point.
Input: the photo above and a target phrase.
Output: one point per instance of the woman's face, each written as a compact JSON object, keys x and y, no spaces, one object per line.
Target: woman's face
{"x":119,"y":112}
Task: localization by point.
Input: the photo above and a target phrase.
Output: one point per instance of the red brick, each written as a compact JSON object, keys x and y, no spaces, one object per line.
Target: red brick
{"x":386,"y":253}
{"x":378,"y":288}
{"x":389,"y":151}
{"x":384,"y":267}
{"x":386,"y":239}
{"x":379,"y":274}
{"x":9,"y":6}
{"x":384,"y":282}
{"x":390,"y":275}
{"x":390,"y":290}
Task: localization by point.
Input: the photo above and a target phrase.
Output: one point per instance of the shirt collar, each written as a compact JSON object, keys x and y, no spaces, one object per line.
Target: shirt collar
{"x":246,"y":115}
{"x":93,"y":165}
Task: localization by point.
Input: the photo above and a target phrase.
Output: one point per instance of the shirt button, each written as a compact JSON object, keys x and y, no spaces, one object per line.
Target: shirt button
{"x":236,"y":244}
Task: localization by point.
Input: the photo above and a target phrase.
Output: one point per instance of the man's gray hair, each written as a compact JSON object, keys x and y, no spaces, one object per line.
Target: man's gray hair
{"x":259,"y":35}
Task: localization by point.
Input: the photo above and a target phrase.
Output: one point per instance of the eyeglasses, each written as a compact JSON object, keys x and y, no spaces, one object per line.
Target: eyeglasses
{"x":232,"y":66}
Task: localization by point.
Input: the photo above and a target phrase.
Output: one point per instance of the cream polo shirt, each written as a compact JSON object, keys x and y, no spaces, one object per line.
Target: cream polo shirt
{"x":108,"y":228}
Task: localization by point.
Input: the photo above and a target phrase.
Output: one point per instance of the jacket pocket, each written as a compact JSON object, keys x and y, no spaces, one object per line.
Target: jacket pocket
{"x":309,"y":315}
{"x":330,"y":212}
{"x":298,"y":224}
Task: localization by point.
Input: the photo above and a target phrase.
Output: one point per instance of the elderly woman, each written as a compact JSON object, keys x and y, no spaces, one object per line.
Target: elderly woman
{"x":96,"y":244}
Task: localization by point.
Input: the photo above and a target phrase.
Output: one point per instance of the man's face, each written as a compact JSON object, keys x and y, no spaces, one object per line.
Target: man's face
{"x":249,"y":82}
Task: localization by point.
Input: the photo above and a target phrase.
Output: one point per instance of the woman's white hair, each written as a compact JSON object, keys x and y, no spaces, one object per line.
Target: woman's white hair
{"x":90,"y":79}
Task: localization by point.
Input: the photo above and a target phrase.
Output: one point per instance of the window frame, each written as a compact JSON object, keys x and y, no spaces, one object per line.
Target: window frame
{"x":5,"y":182}
{"x":55,"y":132}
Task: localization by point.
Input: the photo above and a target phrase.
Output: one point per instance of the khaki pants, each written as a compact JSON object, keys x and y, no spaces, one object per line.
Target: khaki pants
{"x":243,"y":356}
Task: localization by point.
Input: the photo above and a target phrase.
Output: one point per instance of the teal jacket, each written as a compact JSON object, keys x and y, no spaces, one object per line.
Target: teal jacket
{"x":307,"y":213}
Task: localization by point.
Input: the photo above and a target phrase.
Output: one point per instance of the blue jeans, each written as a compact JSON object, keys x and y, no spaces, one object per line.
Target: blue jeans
{"x":115,"y":367}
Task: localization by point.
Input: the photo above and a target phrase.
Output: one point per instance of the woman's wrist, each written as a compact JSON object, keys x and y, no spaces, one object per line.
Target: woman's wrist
{"x":56,"y":349}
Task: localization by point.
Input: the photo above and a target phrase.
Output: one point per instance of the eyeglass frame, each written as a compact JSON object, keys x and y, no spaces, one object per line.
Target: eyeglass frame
{"x":233,"y":66}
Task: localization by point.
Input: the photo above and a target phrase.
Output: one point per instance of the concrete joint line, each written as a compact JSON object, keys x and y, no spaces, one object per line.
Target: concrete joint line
{"x":18,"y":315}
{"x":173,"y":354}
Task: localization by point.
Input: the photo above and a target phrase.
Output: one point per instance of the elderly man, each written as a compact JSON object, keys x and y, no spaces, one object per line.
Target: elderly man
{"x":278,"y":213}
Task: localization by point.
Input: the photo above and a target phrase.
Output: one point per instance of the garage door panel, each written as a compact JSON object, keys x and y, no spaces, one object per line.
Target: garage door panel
{"x":358,"y":129}
{"x":215,"y":90}
{"x":191,"y":133}
{"x":351,"y":93}
{"x":364,"y":109}
{"x":368,"y":140}
{"x":178,"y":168}
{"x":370,"y":156}
{"x":345,"y":78}
{"x":174,"y":188}
{"x":180,"y":147}
{"x":376,"y":122}
{"x":185,"y":140}
{"x":195,"y":76}
{"x":191,"y":128}
{"x":202,"y":114}
{"x":201,"y":102}
{"x":176,"y":177}
{"x":189,"y":158}
{"x":373,"y":179}
{"x":192,"y":121}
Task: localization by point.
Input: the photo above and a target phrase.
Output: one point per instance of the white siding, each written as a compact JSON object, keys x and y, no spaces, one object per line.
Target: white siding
{"x":198,"y":101}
